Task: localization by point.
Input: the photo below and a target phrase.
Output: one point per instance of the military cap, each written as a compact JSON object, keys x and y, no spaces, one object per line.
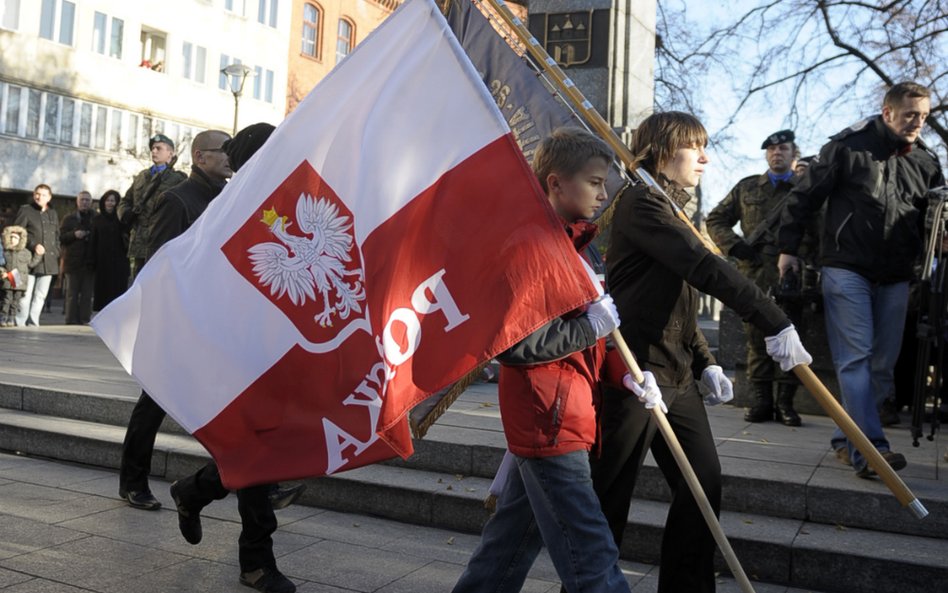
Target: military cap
{"x":160,"y":138}
{"x":778,"y":138}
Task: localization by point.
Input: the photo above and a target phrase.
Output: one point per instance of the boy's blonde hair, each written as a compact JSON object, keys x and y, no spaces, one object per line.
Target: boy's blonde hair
{"x":657,"y":138}
{"x":566,"y":151}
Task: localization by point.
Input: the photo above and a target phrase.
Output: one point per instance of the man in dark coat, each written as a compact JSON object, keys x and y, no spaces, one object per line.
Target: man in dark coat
{"x":74,"y":237}
{"x":137,"y":207}
{"x":873,"y":178}
{"x":175,"y":211}
{"x":42,"y":226}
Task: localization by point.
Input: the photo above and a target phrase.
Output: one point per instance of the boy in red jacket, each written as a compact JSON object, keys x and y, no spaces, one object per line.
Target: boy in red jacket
{"x":549,"y":383}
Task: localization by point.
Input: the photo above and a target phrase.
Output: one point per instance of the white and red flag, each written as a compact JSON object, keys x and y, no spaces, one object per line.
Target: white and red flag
{"x":387,"y":238}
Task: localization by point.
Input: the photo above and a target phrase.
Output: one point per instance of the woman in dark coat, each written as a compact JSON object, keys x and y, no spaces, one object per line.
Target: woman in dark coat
{"x":107,"y":249}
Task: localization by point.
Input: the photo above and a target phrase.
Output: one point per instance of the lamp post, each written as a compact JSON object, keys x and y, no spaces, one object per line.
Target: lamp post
{"x":238,"y":76}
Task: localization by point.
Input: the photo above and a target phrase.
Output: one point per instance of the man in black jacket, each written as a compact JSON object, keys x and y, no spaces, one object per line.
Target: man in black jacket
{"x":78,"y":271}
{"x":42,"y":227}
{"x":874,"y":177}
{"x":174,"y":212}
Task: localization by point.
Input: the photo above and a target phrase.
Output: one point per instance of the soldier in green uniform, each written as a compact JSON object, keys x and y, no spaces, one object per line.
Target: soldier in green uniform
{"x":136,"y":208}
{"x":750,"y":202}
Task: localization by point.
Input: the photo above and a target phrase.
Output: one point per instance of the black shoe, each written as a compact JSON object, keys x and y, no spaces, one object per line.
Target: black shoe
{"x":281,"y":497}
{"x":889,"y":412}
{"x":189,"y":522}
{"x":895,"y":460}
{"x":142,"y":500}
{"x":268,"y":580}
{"x":763,"y":408}
{"x":784,"y":412}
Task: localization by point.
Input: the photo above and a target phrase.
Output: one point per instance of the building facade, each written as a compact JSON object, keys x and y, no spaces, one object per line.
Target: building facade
{"x":323,"y":32}
{"x":85,"y":83}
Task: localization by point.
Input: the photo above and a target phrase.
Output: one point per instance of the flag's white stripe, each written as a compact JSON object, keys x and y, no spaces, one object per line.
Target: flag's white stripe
{"x":400,"y":111}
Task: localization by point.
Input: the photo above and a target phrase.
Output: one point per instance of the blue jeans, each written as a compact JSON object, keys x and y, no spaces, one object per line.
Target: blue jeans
{"x":549,"y":500}
{"x":31,"y":305}
{"x":864,"y":323}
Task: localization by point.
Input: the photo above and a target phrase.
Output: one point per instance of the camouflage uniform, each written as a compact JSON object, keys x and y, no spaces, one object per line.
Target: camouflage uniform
{"x":749,"y":202}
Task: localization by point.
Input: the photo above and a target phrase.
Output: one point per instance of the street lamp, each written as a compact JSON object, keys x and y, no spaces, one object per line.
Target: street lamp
{"x":238,"y":76}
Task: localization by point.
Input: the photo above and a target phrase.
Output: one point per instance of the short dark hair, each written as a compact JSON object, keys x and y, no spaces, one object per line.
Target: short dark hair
{"x":43,"y":186}
{"x":566,"y":151}
{"x":895,"y":95}
{"x":657,"y":138}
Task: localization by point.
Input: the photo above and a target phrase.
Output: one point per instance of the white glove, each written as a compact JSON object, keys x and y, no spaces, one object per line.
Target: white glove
{"x":603,"y":316}
{"x":648,"y":392}
{"x":720,"y":389}
{"x":787,"y":349}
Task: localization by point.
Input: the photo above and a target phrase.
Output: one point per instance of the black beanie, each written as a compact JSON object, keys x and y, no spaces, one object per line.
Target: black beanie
{"x":241,"y":147}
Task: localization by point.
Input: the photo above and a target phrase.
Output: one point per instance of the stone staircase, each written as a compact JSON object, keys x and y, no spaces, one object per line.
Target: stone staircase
{"x":793,"y":514}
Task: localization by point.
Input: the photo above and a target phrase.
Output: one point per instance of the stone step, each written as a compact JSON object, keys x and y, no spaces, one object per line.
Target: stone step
{"x":789,"y":551}
{"x":467,"y":441}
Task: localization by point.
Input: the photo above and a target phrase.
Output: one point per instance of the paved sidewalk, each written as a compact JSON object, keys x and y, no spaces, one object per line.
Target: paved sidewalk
{"x":62,"y":530}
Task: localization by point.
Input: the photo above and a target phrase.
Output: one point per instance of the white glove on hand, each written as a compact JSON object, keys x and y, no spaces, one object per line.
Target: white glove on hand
{"x":787,"y":349}
{"x":720,"y":389}
{"x":648,"y":392}
{"x":603,"y":316}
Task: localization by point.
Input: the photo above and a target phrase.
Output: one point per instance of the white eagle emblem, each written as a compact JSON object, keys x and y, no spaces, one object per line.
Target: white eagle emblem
{"x":301,"y":265}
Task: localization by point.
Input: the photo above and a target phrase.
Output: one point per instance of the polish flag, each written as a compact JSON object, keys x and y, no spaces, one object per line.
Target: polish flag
{"x":387,"y":238}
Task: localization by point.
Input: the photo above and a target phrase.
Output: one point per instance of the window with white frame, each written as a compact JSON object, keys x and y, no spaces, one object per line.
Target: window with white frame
{"x":10,"y":14}
{"x":85,"y":125}
{"x":153,"y":49}
{"x":107,"y":35}
{"x":145,"y":135}
{"x":344,"y":39}
{"x":115,"y":131}
{"x":33,"y":111}
{"x":193,"y":62}
{"x":131,"y":135}
{"x":267,"y":11}
{"x":67,"y":121}
{"x":257,"y":82}
{"x":268,"y":89}
{"x":312,"y":16}
{"x":57,"y":20}
{"x":238,"y":7}
{"x":13,"y":109}
{"x":101,"y":132}
{"x":51,"y":119}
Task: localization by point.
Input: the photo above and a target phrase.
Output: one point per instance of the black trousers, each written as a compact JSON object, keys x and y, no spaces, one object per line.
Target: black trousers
{"x":687,"y":563}
{"x":256,"y":514}
{"x":79,"y":287}
{"x":139,"y":444}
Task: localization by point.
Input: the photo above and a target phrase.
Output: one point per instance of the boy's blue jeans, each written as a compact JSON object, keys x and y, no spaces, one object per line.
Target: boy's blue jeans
{"x":549,"y":500}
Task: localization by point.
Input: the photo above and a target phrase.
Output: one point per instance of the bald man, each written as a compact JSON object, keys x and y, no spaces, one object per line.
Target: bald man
{"x":174,"y":212}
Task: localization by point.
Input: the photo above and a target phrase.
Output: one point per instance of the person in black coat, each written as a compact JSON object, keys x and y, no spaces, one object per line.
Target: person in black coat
{"x":42,"y":226}
{"x":106,"y":253}
{"x":74,"y":235}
